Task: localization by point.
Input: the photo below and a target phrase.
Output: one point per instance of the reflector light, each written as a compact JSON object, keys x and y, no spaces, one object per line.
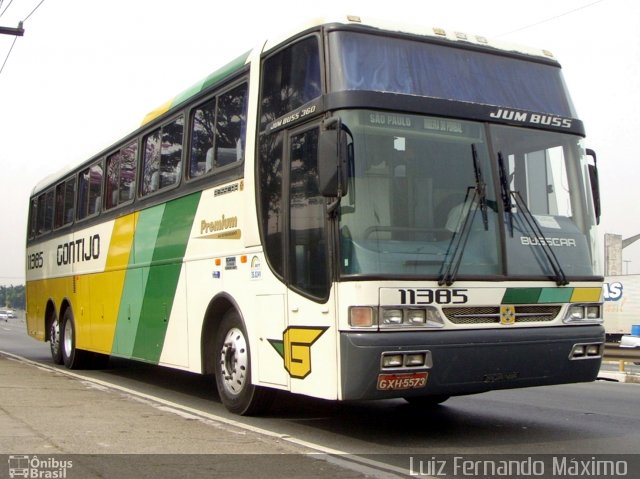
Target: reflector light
{"x":361,"y":316}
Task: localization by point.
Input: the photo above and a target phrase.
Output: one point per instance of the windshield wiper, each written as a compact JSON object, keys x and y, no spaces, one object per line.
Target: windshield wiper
{"x":505,"y":192}
{"x":481,"y":187}
{"x":559,"y":276}
{"x":458,"y":242}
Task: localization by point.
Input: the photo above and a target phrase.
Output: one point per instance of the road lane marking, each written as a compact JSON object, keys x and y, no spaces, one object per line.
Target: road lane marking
{"x":353,"y":462}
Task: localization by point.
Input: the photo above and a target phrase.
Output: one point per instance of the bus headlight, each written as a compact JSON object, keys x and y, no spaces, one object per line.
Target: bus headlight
{"x":392,"y":317}
{"x":427,"y":317}
{"x":583,"y":313}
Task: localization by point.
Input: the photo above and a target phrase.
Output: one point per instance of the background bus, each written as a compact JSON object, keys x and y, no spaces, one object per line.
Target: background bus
{"x":355,"y":211}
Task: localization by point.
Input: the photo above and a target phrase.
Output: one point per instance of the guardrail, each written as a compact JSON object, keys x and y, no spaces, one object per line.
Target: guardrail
{"x":613,"y":352}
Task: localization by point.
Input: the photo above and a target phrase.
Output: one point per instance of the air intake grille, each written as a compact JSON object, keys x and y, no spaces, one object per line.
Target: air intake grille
{"x":491,"y":314}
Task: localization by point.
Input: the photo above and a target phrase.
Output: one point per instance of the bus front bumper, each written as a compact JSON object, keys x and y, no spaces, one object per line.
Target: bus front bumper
{"x":467,"y":361}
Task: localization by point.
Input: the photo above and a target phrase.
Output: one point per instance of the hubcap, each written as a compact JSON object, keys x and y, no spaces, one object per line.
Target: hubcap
{"x":234,"y":361}
{"x":68,"y":338}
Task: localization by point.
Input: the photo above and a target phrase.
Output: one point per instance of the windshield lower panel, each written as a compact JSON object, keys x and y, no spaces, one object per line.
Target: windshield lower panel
{"x":422,"y":200}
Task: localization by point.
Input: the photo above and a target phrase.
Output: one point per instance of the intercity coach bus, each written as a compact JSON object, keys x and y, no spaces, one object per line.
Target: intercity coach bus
{"x":356,"y":211}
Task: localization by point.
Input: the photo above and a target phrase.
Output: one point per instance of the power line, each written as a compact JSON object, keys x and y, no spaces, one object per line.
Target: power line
{"x":6,"y":8}
{"x":549,"y":19}
{"x":20,"y":29}
{"x":38,"y":6}
{"x":7,"y":57}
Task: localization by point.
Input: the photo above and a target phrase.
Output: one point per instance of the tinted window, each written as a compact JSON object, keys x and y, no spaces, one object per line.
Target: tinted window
{"x":307,"y":242}
{"x":121,"y":175}
{"x":45,"y":212}
{"x":203,"y":123}
{"x":271,"y":203}
{"x":290,"y":79}
{"x":151,"y":163}
{"x":64,"y":199}
{"x":218,"y":132}
{"x":162,"y":157}
{"x":370,"y":62}
{"x":90,"y":191}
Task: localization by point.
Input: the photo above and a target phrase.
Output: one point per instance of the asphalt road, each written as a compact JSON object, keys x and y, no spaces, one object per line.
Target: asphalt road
{"x":594,"y":419}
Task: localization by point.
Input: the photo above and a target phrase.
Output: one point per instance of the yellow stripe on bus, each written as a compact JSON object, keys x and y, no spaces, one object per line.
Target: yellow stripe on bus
{"x":586,"y":295}
{"x":105,"y":289}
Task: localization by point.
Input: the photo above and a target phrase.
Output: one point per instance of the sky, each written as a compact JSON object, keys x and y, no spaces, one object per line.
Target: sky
{"x":86,"y":73}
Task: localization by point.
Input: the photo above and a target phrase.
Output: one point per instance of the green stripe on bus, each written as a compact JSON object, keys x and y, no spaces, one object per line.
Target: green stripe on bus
{"x":521,"y":295}
{"x":202,"y":85}
{"x":159,"y":293}
{"x":556,"y":295}
{"x":144,"y":241}
{"x":549,"y":295}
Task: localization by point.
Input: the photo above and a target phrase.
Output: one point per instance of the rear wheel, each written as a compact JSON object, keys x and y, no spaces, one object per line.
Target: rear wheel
{"x":233,"y":369}
{"x":54,"y":340}
{"x":72,"y":357}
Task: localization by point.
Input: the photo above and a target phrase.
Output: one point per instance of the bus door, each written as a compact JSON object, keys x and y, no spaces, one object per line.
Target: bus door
{"x":309,"y":339}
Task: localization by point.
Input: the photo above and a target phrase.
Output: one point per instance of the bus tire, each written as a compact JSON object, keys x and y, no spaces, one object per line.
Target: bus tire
{"x":233,"y":369}
{"x":54,"y":339}
{"x":72,"y":357}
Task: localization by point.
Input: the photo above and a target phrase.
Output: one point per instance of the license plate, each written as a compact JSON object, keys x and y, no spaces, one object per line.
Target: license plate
{"x":389,"y":382}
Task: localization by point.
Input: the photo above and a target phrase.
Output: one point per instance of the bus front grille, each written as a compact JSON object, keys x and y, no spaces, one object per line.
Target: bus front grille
{"x":491,"y":314}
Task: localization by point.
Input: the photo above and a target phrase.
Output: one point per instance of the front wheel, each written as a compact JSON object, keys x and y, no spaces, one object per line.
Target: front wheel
{"x":233,"y":369}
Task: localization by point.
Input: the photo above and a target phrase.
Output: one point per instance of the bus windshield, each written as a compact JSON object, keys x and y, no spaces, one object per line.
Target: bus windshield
{"x":400,"y":65}
{"x":423,"y":199}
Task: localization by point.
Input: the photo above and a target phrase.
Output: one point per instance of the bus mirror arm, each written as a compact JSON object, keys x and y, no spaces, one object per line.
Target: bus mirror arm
{"x":333,"y":159}
{"x":595,"y":184}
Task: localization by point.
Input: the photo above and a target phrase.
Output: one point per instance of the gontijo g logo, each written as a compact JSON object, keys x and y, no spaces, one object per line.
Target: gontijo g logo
{"x":295,"y":349}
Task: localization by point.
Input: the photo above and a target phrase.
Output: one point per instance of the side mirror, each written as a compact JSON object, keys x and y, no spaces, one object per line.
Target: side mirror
{"x":333,"y":159}
{"x":595,"y":184}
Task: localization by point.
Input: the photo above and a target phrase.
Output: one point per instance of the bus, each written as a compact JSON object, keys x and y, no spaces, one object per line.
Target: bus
{"x":354,"y":211}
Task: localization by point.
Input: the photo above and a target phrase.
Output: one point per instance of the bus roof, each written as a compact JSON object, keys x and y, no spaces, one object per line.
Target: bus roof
{"x":237,"y":64}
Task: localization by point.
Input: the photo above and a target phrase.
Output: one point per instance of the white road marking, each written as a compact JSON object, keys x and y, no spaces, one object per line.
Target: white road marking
{"x":369,"y":467}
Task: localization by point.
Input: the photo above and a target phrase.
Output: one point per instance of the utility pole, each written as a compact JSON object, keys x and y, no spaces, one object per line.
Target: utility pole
{"x":18,"y":32}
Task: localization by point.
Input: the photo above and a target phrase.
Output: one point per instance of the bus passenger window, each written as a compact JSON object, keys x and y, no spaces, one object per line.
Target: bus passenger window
{"x":89,"y":191}
{"x":231,"y":126}
{"x":171,"y":153}
{"x":45,"y":212}
{"x":162,"y":157}
{"x":64,"y":203}
{"x":151,"y":163}
{"x":121,"y":175}
{"x":203,"y":122}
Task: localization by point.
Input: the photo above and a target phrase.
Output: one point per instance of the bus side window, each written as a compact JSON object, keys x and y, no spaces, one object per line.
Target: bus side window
{"x":162,"y":157}
{"x":45,"y":213}
{"x":203,"y":120}
{"x":151,"y":163}
{"x":231,"y":126}
{"x":89,"y":191}
{"x":121,"y":175}
{"x":64,"y":199}
{"x":33,"y":218}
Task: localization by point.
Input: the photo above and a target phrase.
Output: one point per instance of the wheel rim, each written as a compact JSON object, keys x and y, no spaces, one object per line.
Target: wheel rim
{"x":68,"y":338}
{"x":234,"y":361}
